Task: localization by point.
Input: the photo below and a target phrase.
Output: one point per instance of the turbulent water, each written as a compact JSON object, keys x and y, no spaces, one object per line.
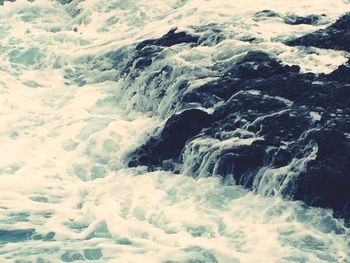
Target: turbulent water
{"x":69,"y":117}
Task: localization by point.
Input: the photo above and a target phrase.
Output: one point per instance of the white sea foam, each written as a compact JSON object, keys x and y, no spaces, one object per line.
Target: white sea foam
{"x":65,"y":194}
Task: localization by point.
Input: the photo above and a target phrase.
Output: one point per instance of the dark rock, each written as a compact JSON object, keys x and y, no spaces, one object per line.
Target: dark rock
{"x":342,"y":23}
{"x":257,"y":64}
{"x":336,"y":36}
{"x":142,"y":58}
{"x":307,"y":92}
{"x":259,"y":97}
{"x":242,"y":162}
{"x":250,"y":102}
{"x":281,"y":157}
{"x":202,"y":98}
{"x":307,"y":89}
{"x":222,"y":88}
{"x":342,"y":73}
{"x":146,"y":52}
{"x":328,"y":141}
{"x":284,"y":126}
{"x":169,"y":39}
{"x":307,"y":20}
{"x":246,"y":73}
{"x":169,"y":144}
{"x":326,"y":180}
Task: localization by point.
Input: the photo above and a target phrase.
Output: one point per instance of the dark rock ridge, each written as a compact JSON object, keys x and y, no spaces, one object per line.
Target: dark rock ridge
{"x":335,"y":36}
{"x":273,"y":129}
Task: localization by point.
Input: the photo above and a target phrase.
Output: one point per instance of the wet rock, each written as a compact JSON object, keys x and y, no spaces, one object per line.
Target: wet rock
{"x":283,"y":126}
{"x":249,"y":104}
{"x":281,"y":157}
{"x":202,"y":98}
{"x":280,"y":113}
{"x":142,"y":58}
{"x":169,"y":144}
{"x":259,"y":97}
{"x":329,"y":142}
{"x":336,"y":36}
{"x":307,"y":20}
{"x":326,"y":180}
{"x":342,"y":73}
{"x":132,"y":62}
{"x":245,"y":74}
{"x":257,"y":64}
{"x":307,"y":89}
{"x":169,"y":39}
{"x":242,"y":162}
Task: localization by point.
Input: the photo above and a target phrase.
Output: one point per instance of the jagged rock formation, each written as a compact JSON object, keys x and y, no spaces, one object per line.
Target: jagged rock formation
{"x":292,"y":128}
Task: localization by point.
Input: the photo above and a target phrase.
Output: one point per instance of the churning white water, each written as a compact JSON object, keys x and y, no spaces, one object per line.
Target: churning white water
{"x":68,"y":120}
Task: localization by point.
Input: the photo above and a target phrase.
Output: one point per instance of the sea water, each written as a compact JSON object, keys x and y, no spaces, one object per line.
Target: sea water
{"x":68,"y":119}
